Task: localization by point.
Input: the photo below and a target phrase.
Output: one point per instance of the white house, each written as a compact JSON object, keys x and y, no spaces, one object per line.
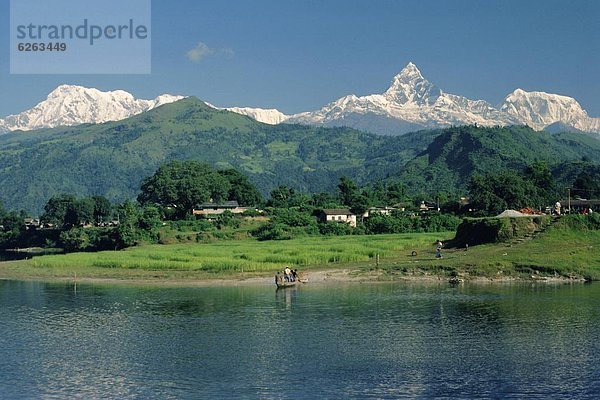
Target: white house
{"x":339,"y":215}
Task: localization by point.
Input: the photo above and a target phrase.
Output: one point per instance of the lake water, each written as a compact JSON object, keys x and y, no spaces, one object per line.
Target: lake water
{"x":355,"y":341}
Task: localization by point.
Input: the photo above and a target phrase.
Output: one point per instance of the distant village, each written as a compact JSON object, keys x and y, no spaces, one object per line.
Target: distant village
{"x":210,"y":211}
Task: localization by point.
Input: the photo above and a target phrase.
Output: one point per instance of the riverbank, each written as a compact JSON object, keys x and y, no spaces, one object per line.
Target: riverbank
{"x":341,"y":276}
{"x":563,"y":252}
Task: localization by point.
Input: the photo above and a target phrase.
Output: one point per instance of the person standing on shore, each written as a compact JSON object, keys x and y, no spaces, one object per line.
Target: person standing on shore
{"x":438,"y":250}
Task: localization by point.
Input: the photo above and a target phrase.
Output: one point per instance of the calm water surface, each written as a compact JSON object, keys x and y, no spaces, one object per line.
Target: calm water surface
{"x":358,"y":341}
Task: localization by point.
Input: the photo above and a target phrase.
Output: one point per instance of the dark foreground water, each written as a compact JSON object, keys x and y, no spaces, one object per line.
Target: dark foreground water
{"x":361,"y":341}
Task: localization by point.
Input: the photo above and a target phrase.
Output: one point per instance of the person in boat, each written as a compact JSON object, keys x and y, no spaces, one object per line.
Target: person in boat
{"x":288,"y":274}
{"x":294,"y":274}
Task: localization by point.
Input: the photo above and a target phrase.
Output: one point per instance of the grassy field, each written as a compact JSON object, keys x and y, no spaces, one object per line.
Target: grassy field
{"x":222,"y":259}
{"x":562,"y":251}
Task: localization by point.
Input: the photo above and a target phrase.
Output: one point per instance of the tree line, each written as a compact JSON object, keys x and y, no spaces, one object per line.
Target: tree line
{"x":177,"y":187}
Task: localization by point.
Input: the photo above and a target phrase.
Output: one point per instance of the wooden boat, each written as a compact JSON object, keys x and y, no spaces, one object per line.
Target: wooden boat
{"x":282,"y":283}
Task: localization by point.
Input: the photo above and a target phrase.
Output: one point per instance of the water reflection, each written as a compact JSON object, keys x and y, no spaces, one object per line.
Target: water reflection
{"x":357,"y":341}
{"x":285,"y":297}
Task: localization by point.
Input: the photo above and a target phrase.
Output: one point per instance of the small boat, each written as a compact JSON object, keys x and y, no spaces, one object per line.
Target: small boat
{"x":282,"y":283}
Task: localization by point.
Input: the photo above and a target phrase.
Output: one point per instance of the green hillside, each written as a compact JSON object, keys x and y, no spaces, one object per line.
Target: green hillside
{"x":459,"y":152}
{"x":112,"y":159}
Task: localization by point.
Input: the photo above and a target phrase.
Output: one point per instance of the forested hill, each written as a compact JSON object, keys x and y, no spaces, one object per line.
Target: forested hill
{"x":458,"y":153}
{"x":111,"y":159}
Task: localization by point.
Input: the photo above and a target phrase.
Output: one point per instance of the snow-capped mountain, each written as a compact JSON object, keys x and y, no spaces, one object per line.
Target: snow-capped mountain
{"x":73,"y":105}
{"x":539,"y":110}
{"x":412,"y":102}
{"x":269,"y":116}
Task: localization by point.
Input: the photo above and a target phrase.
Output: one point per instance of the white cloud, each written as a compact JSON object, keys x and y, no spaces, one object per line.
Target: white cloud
{"x":202,"y":51}
{"x":199,"y":52}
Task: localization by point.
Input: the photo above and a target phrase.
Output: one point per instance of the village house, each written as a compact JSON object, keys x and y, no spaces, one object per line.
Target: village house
{"x":212,"y":210}
{"x":379,"y":210}
{"x":428,"y":206}
{"x":338,"y":215}
{"x":32,"y":223}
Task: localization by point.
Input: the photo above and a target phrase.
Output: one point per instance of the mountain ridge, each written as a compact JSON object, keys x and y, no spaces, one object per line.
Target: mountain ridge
{"x":409,"y":103}
{"x":112,"y":158}
{"x":412,"y":102}
{"x":70,"y":105}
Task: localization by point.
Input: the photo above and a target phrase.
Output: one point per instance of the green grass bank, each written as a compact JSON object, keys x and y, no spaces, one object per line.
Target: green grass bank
{"x":220,"y":259}
{"x":562,"y":248}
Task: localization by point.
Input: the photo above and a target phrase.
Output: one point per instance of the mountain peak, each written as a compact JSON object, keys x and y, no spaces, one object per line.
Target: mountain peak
{"x":70,"y":91}
{"x":409,"y":72}
{"x":518,"y":92}
{"x":73,"y":105}
{"x":68,"y":88}
{"x":540,"y":109}
{"x":409,"y":86}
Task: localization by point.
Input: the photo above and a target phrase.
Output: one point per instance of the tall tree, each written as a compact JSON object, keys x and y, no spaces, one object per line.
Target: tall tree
{"x":587,"y":184}
{"x":84,"y":211}
{"x":60,"y":210}
{"x":127,"y":231}
{"x":281,"y":196}
{"x":494,"y":193}
{"x":12,"y":227}
{"x":242,"y":190}
{"x":348,"y":190}
{"x":102,"y":208}
{"x":182,"y":185}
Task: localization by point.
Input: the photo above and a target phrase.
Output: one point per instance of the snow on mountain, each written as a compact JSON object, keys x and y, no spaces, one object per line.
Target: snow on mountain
{"x":73,"y":105}
{"x":412,"y":102}
{"x":409,"y":86}
{"x":540,"y":109}
{"x":269,"y":116}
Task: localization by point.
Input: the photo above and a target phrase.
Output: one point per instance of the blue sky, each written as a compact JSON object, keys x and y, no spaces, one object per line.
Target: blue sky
{"x":299,"y":55}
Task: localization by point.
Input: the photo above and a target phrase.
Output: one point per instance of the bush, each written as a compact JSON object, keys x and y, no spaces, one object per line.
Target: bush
{"x":227,"y":219}
{"x":75,"y":239}
{"x":287,"y":223}
{"x":199,"y":225}
{"x":88,"y":239}
{"x":335,"y":229}
{"x":582,"y":222}
{"x":251,"y":213}
{"x":294,"y":217}
{"x":398,"y":223}
{"x":273,"y":231}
